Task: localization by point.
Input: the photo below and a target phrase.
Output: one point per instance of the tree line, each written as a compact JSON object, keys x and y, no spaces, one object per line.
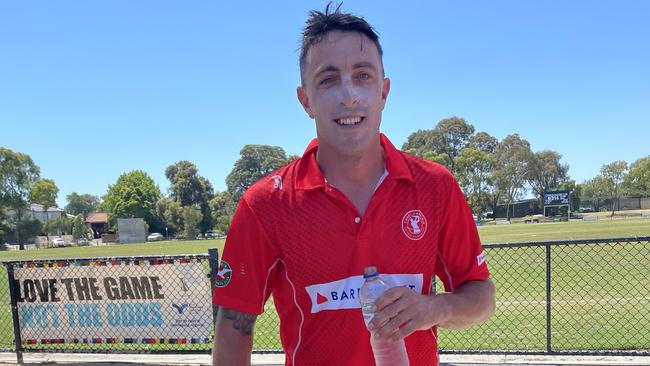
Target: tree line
{"x":491,"y":172}
{"x":495,"y":172}
{"x":20,"y":185}
{"x":190,"y":207}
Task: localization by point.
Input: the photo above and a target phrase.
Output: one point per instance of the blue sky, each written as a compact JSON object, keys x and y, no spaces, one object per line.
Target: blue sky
{"x":93,"y":89}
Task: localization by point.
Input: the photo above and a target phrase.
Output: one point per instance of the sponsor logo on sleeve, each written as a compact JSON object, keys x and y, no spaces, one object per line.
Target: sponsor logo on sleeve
{"x":480,"y":259}
{"x":224,"y":274}
{"x":414,"y":224}
{"x":344,"y":294}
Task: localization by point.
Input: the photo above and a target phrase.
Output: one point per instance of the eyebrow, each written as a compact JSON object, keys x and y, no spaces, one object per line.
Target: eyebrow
{"x":364,"y":64}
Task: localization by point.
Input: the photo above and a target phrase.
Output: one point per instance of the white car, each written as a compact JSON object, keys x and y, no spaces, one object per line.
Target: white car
{"x":57,"y":242}
{"x":155,"y":237}
{"x":83,"y":241}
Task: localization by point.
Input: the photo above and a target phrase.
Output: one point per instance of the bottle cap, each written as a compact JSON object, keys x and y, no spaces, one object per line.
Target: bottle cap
{"x":370,"y":271}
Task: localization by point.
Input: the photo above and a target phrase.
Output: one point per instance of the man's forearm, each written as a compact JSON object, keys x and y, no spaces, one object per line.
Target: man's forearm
{"x":470,"y":304}
{"x":233,"y":338}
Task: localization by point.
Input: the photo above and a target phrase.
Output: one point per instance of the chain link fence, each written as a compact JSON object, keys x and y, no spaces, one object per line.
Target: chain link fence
{"x":561,"y":297}
{"x":6,"y":321}
{"x":570,"y":297}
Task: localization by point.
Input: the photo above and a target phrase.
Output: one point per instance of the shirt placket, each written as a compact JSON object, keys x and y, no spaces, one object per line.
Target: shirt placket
{"x":363,"y":225}
{"x":353,"y":216}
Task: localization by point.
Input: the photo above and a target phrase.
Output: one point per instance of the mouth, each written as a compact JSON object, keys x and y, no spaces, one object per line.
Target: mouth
{"x":349,"y":121}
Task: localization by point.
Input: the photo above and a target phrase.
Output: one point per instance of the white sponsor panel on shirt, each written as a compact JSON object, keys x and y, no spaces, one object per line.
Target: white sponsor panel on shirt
{"x":344,"y":294}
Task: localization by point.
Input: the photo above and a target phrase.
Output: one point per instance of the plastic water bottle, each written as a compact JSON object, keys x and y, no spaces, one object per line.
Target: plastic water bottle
{"x":386,"y":351}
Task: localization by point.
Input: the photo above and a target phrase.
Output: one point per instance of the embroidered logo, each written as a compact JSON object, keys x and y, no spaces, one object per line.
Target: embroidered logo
{"x":414,"y":224}
{"x":277,"y":182}
{"x":224,"y":274}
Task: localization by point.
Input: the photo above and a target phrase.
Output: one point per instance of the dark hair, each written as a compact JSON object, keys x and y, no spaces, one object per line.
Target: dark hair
{"x":320,"y":23}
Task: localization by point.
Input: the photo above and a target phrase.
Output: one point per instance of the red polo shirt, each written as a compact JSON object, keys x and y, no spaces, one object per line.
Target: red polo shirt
{"x":300,"y":239}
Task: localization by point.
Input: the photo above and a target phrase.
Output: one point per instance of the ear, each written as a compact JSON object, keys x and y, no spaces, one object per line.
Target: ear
{"x":304,"y":100}
{"x":384,"y":91}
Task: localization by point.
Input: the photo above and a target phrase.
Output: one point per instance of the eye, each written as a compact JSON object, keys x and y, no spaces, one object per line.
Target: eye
{"x":327,"y":80}
{"x":364,"y":75}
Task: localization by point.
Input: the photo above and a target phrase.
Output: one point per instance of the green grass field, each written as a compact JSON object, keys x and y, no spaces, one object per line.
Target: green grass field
{"x":603,"y":228}
{"x":588,"y":307}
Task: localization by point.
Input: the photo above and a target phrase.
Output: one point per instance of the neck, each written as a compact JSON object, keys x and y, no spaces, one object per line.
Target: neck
{"x":359,"y":169}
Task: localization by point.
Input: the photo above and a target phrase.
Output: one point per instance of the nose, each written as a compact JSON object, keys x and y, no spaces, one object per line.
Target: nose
{"x":349,"y":93}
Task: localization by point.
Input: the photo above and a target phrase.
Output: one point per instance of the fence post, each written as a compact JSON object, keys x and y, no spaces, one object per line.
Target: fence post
{"x":13,"y":292}
{"x":214,"y":268}
{"x":548,"y":298}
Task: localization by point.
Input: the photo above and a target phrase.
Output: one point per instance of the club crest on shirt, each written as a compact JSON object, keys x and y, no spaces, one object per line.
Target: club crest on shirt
{"x":224,"y":274}
{"x":277,"y":182}
{"x":414,"y":224}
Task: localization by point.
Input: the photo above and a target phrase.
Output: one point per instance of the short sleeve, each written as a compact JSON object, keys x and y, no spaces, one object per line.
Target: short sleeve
{"x":460,"y":254}
{"x":246,"y":270}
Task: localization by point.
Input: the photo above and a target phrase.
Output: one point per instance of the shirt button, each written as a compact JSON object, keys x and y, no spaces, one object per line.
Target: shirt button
{"x":357,"y":219}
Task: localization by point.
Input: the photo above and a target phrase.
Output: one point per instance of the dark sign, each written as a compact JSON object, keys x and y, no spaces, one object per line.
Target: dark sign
{"x":556,"y":198}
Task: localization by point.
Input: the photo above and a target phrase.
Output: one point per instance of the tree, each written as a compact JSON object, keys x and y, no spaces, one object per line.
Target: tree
{"x":79,"y":230}
{"x":454,"y":134}
{"x":614,"y":173}
{"x":191,"y":218}
{"x":25,"y":230}
{"x":186,"y":185}
{"x":449,"y":138}
{"x":511,"y":168}
{"x":256,"y":161}
{"x":133,"y":195}
{"x":222,"y":207}
{"x":418,"y":142}
{"x":189,"y":188}
{"x":594,"y":191}
{"x":483,"y":141}
{"x":546,"y":173}
{"x":440,"y":158}
{"x":18,"y":173}
{"x":81,"y":204}
{"x":474,"y":168}
{"x":170,"y":213}
{"x":44,"y":192}
{"x":637,"y":180}
{"x":60,"y":226}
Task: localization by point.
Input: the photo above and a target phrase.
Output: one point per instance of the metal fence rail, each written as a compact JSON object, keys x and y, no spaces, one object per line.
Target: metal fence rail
{"x":560,"y":297}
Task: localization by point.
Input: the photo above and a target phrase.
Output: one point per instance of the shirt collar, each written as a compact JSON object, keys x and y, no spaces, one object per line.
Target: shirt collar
{"x":309,"y":176}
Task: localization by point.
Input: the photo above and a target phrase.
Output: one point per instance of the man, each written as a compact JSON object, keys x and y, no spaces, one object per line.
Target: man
{"x":306,"y":232}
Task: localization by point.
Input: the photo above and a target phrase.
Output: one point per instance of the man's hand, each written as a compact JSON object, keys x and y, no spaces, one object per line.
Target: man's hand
{"x":401,"y":311}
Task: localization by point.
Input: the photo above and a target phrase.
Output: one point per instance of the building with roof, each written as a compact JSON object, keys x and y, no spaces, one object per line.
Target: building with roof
{"x":97,"y":222}
{"x":38,"y":212}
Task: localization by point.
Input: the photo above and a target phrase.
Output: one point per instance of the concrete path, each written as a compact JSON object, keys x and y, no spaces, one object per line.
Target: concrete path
{"x":42,"y":359}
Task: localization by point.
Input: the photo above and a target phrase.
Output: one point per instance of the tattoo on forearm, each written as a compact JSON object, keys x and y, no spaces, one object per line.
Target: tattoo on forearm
{"x":241,"y":321}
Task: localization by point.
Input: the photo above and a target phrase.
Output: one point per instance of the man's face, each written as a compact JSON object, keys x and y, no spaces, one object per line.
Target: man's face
{"x":344,"y":91}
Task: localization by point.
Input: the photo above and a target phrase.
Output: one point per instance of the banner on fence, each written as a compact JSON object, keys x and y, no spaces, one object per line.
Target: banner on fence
{"x":127,"y":301}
